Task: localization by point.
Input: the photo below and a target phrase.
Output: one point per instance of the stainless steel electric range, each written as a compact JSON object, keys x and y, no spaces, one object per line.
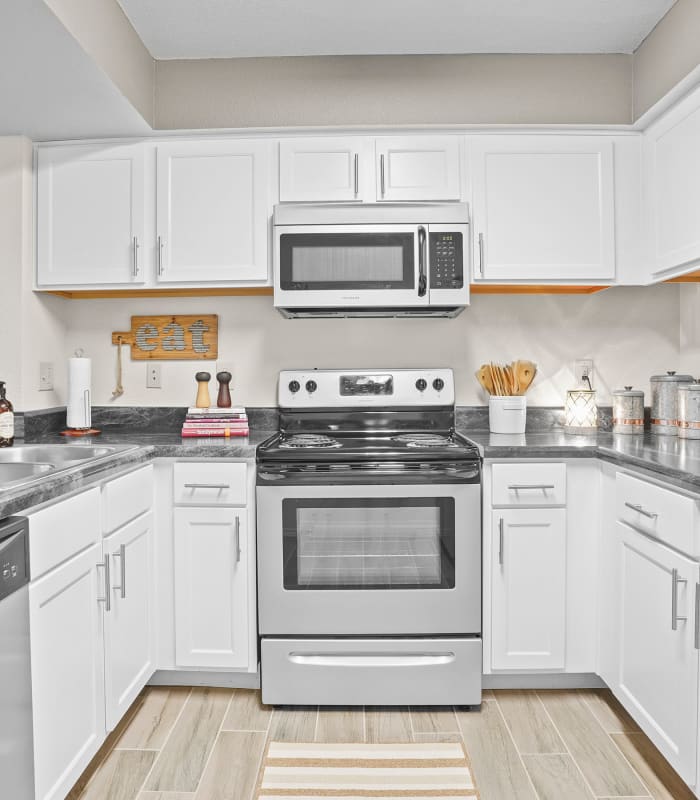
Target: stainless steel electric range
{"x":369,"y":543}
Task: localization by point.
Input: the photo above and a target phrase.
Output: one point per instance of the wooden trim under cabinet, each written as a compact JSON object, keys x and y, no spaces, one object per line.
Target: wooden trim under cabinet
{"x":250,"y":291}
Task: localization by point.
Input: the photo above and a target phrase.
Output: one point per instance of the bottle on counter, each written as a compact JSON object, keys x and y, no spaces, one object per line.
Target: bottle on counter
{"x":7,"y":419}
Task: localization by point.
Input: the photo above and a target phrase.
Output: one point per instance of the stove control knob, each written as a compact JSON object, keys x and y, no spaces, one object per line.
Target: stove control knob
{"x":438,"y":384}
{"x":311,"y":386}
{"x":294,"y":386}
{"x":421,"y":384}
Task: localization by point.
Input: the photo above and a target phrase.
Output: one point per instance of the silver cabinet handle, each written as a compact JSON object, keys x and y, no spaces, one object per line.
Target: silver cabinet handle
{"x":357,"y":174}
{"x":382,"y":182}
{"x":501,"y":537}
{"x":362,"y":659}
{"x":675,"y":580}
{"x":221,"y":486}
{"x":636,"y":507}
{"x":160,"y":255}
{"x":121,"y":555}
{"x":135,"y":270}
{"x":107,"y":600}
{"x":517,"y":487}
{"x":697,"y":617}
{"x":237,"y":534}
{"x":422,"y":274}
{"x":481,"y":255}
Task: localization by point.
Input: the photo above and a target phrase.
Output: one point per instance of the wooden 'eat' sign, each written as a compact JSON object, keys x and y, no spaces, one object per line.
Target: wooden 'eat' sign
{"x":179,"y":336}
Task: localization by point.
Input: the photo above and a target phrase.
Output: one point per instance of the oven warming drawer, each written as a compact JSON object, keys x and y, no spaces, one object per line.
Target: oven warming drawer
{"x":371,"y":671}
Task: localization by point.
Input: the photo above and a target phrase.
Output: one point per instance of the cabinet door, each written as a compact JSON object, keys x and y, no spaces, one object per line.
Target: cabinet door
{"x":418,"y":168}
{"x":323,"y":169}
{"x":672,"y":190}
{"x":528,"y":603}
{"x":543,"y":208}
{"x":128,"y":624}
{"x":658,"y":659}
{"x":67,"y":671}
{"x":211,"y":587}
{"x":90,"y":215}
{"x":212,"y":212}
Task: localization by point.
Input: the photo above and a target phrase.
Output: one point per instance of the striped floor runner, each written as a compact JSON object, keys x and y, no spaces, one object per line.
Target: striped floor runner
{"x":408,"y":771}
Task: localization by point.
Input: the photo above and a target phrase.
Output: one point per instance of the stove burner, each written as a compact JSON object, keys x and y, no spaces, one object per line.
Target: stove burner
{"x":425,"y":440}
{"x":302,"y":440}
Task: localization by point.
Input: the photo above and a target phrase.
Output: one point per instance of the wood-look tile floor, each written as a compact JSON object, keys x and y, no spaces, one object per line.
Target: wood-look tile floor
{"x":208,"y":744}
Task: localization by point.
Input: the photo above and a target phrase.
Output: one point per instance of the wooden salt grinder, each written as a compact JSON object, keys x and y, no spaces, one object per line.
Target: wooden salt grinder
{"x":224,"y":398}
{"x":203,"y":400}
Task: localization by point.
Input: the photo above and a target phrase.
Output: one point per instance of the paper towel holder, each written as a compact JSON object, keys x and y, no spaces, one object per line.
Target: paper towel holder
{"x":89,"y":431}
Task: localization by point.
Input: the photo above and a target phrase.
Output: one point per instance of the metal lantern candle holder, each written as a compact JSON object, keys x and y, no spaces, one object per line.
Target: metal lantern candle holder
{"x":581,"y":411}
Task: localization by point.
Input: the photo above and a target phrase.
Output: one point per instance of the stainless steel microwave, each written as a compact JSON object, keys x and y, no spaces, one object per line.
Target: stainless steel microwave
{"x":371,"y":259}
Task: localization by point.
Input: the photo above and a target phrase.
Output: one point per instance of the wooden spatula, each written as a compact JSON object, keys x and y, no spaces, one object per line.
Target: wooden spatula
{"x":525,"y":372}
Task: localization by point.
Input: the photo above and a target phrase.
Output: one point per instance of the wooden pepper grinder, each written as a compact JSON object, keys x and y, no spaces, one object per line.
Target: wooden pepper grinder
{"x":224,"y":398}
{"x":203,"y":400}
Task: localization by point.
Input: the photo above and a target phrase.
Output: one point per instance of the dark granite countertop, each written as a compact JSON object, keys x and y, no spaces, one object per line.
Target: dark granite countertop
{"x":147,"y":446}
{"x":674,"y":460}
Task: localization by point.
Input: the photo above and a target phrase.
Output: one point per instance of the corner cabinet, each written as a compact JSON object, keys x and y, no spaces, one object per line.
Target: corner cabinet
{"x":212,"y":212}
{"x":91,"y":225}
{"x":367,"y":169}
{"x":543,"y":208}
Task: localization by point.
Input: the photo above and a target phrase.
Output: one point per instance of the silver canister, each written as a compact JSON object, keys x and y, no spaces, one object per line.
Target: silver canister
{"x":628,"y":410}
{"x":689,"y":411}
{"x":664,"y":402}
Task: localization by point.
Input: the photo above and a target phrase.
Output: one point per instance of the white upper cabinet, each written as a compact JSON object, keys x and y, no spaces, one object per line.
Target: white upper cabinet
{"x":418,"y":168}
{"x":323,"y":169}
{"x":90,"y":215}
{"x":361,"y":168}
{"x":543,"y":208}
{"x":672,"y":190}
{"x":212,"y":212}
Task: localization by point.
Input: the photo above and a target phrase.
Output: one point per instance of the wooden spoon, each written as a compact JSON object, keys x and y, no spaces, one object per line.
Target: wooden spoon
{"x":484,"y":377}
{"x":525,"y":372}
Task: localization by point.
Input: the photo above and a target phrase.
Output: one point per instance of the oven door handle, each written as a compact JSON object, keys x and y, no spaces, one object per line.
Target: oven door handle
{"x":360,"y":659}
{"x":422,"y":257}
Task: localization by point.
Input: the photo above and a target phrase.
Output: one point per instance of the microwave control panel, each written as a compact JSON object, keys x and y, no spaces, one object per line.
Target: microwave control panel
{"x":446,"y":260}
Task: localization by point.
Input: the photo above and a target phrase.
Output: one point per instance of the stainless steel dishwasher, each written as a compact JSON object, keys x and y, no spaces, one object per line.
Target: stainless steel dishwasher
{"x":16,"y":742}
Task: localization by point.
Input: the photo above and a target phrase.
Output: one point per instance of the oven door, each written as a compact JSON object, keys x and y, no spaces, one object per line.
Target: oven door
{"x":369,"y":559}
{"x":345,"y":266}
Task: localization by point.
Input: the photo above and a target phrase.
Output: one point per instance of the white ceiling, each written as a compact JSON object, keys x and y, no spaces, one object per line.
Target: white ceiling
{"x":49,"y":87}
{"x":246,"y":28}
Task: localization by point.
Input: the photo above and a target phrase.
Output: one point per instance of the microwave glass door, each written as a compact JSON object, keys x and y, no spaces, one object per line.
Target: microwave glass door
{"x":347,"y":261}
{"x":369,"y":543}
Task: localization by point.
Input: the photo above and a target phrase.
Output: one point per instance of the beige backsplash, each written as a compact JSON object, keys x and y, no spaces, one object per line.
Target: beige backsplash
{"x":631,"y":333}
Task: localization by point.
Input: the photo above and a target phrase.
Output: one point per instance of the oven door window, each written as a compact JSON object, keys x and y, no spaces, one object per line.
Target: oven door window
{"x":346,"y":261}
{"x":369,"y":543}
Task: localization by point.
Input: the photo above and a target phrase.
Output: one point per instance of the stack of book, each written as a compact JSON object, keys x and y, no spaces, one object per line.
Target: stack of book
{"x":212,"y":422}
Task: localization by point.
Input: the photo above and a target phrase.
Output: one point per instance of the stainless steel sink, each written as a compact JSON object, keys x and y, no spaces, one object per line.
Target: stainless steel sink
{"x":14,"y":473}
{"x":52,"y":453}
{"x":27,"y":463}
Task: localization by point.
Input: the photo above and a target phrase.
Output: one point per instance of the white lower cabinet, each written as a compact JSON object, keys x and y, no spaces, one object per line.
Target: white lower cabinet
{"x":211,"y":555}
{"x":66,"y":623}
{"x":528,"y":589}
{"x":128,"y":633}
{"x":658,"y":655}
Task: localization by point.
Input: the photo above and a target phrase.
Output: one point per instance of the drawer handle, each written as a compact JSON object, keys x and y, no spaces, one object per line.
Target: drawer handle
{"x":636,"y":507}
{"x":220,"y":486}
{"x":371,"y":659}
{"x":516,"y":487}
{"x":675,"y":619}
{"x":697,"y":616}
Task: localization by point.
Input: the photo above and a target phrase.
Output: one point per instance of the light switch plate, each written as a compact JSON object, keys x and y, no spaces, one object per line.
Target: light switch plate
{"x":583,"y":368}
{"x":153,"y":376}
{"x":45,"y":376}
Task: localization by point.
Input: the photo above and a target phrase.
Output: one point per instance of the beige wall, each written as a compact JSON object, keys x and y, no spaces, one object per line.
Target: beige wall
{"x":690,"y":328}
{"x":393,"y":90}
{"x":630,"y":332}
{"x":667,"y":55}
{"x":104,"y":32}
{"x":31,"y":329}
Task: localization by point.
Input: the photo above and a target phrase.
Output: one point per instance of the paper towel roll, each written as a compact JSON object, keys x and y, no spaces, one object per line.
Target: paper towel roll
{"x":78,"y":412}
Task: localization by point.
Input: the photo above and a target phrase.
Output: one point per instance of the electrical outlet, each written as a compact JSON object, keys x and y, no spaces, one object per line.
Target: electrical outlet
{"x":153,"y":376}
{"x":45,"y":376}
{"x":583,"y":368}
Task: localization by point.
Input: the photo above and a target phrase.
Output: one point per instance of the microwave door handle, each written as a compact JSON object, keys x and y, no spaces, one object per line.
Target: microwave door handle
{"x":422,"y":274}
